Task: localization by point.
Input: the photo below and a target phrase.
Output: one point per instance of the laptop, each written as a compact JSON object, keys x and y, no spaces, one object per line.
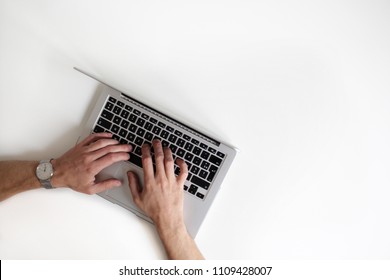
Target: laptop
{"x":134,"y":122}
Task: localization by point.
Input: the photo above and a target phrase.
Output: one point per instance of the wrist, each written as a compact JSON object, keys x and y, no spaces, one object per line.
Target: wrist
{"x":169,"y":231}
{"x":57,"y":179}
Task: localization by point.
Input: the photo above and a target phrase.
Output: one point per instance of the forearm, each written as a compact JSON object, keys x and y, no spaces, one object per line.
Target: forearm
{"x":16,"y":177}
{"x":179,"y":245}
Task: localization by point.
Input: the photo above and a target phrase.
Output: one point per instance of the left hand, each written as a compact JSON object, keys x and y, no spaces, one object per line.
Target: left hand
{"x":78,"y":167}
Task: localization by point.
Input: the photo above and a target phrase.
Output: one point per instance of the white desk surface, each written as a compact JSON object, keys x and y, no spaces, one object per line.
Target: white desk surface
{"x":302,"y":88}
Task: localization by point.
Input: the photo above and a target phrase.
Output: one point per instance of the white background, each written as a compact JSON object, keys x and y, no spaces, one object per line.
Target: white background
{"x":301,"y":87}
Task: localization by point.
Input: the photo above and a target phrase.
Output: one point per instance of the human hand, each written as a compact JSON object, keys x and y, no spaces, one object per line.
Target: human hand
{"x":162,"y":195}
{"x":78,"y":167}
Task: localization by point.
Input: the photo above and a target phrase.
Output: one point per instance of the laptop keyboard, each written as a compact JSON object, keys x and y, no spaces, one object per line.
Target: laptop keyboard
{"x":135,"y":127}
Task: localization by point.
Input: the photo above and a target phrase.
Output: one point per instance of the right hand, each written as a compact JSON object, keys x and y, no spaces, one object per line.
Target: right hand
{"x":161,"y":197}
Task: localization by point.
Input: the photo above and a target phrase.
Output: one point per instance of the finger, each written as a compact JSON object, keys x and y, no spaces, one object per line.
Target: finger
{"x":147,"y":162}
{"x":105,"y":185}
{"x":169,"y":164}
{"x":101,"y":143}
{"x":183,"y":171}
{"x":107,"y":160}
{"x":159,"y":157}
{"x":109,"y":149}
{"x":93,"y":137}
{"x":134,"y":187}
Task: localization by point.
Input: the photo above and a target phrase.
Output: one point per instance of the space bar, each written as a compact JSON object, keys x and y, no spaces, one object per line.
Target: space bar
{"x":135,"y":159}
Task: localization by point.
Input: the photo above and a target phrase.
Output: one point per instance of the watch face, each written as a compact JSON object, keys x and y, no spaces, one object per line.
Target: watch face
{"x":44,"y":171}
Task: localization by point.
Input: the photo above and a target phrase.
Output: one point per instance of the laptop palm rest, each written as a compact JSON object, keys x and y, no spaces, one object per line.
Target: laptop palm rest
{"x":122,"y":195}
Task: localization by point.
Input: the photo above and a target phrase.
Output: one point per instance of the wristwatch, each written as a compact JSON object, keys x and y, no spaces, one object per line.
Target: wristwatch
{"x":44,"y":173}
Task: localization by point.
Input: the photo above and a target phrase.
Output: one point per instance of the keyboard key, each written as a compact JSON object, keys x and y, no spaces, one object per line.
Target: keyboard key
{"x":138,"y":151}
{"x":213,"y":170}
{"x":205,"y":155}
{"x":115,"y":129}
{"x":205,"y":165}
{"x":172,"y":138}
{"x":156,"y":130}
{"x":201,"y":196}
{"x":107,"y":115}
{"x":141,"y":132}
{"x":136,"y":112}
{"x":215,"y":160}
{"x":170,"y":129}
{"x":188,"y":146}
{"x":203,"y":146}
{"x":180,"y":153}
{"x":188,"y":156}
{"x":161,"y":124}
{"x":137,"y":160}
{"x":120,"y":104}
{"x":197,"y":151}
{"x":140,"y":122}
{"x":212,"y":150}
{"x":117,"y":110}
{"x":112,"y":99}
{"x":148,"y":126}
{"x":164,"y":134}
{"x":132,"y":118}
{"x":117,"y":120}
{"x":131,"y":137}
{"x":222,"y":155}
{"x":193,"y":189}
{"x":185,"y":136}
{"x":104,"y":123}
{"x":153,"y":120}
{"x":173,"y":148}
{"x":145,"y":116}
{"x":109,"y":106}
{"x":177,"y":171}
{"x":123,"y":133}
{"x":125,"y":114}
{"x":139,"y":141}
{"x":194,"y":141}
{"x":133,"y":128}
{"x":195,"y":170}
{"x":203,"y":174}
{"x":125,"y":124}
{"x":128,"y":108}
{"x":149,"y":136}
{"x":180,"y":142}
{"x":200,"y":182}
{"x":178,"y":133}
{"x":189,"y":165}
{"x":197,"y":160}
{"x":98,"y":129}
{"x":164,"y":143}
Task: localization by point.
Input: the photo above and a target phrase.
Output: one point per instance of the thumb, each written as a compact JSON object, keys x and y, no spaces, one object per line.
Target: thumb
{"x":134,"y":187}
{"x":106,"y":185}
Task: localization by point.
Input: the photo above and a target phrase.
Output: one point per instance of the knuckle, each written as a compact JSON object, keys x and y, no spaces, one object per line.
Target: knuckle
{"x":111,"y":157}
{"x":159,"y":155}
{"x":169,"y":160}
{"x":89,"y":190}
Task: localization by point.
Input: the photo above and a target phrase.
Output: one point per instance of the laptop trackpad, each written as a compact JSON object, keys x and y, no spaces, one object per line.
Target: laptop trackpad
{"x":122,"y":194}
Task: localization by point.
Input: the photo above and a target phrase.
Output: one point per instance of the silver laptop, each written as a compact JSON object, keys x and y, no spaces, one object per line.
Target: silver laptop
{"x":133,"y":122}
